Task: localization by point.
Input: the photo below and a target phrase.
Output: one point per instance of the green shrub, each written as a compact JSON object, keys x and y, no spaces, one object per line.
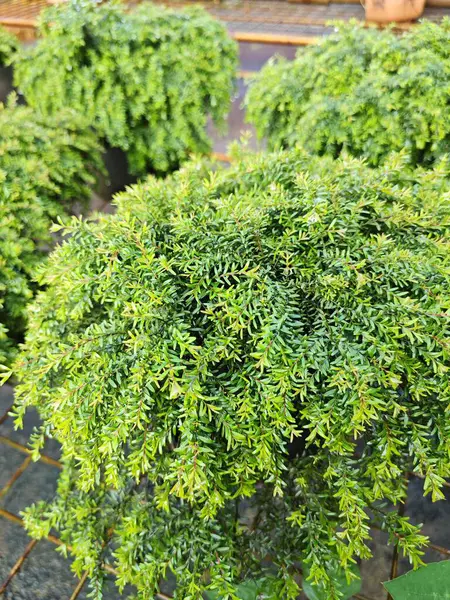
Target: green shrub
{"x":364,"y":90}
{"x":8,"y":47}
{"x":147,"y":79}
{"x":45,"y":165}
{"x":240,"y":365}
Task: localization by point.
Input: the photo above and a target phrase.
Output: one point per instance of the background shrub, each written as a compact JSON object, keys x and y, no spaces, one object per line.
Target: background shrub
{"x":147,"y":80}
{"x":239,"y":365}
{"x":368,"y":91}
{"x":45,"y":165}
{"x":8,"y":47}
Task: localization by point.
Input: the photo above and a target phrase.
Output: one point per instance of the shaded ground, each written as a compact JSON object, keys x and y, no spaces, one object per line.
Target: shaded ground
{"x":252,"y":58}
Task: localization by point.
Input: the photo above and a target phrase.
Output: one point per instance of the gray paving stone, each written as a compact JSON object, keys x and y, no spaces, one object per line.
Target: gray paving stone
{"x":38,"y":482}
{"x":10,"y":460}
{"x":45,"y":575}
{"x":13,"y":540}
{"x":30,"y":422}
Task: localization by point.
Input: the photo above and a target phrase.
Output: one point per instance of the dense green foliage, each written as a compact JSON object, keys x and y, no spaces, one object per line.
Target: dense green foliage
{"x":147,"y":79}
{"x":241,"y":364}
{"x":45,"y":165}
{"x":368,"y":91}
{"x":8,"y":47}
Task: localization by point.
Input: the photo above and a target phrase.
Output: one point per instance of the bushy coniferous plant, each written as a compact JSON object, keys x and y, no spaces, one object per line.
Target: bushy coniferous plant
{"x":45,"y":165}
{"x":8,"y":47}
{"x":146,"y":79}
{"x":367,"y":91}
{"x":240,"y":366}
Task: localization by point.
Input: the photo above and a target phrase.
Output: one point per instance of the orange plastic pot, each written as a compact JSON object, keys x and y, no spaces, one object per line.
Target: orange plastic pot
{"x":390,"y":11}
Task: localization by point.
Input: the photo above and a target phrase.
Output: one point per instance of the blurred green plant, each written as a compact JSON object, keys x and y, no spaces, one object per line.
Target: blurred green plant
{"x":46,"y":164}
{"x":240,"y":366}
{"x":147,"y":79}
{"x":347,"y":587}
{"x":8,"y":47}
{"x":261,"y":589}
{"x":367,"y":91}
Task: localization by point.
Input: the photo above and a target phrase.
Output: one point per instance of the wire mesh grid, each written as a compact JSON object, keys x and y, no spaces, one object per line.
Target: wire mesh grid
{"x":254,"y":21}
{"x":13,"y":518}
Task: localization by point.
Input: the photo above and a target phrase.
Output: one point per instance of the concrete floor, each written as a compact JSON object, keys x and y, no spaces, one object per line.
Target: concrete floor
{"x":252,"y":58}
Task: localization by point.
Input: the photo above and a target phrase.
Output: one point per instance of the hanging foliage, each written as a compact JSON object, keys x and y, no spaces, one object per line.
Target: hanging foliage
{"x":240,"y":366}
{"x":46,"y":164}
{"x":146,"y":79}
{"x":8,"y":47}
{"x":367,"y":91}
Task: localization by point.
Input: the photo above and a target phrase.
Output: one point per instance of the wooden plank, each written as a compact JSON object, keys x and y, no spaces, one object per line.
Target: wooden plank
{"x":309,"y":1}
{"x":17,"y":566}
{"x":19,"y":23}
{"x":270,"y":38}
{"x":43,"y":457}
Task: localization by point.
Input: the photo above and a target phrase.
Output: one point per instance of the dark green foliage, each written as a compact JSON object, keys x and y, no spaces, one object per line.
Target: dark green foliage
{"x":147,"y":79}
{"x":45,"y":165}
{"x":368,"y":91}
{"x":8,"y":47}
{"x":240,"y":365}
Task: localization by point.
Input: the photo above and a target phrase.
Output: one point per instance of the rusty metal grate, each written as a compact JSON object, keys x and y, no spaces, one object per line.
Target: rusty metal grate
{"x":252,"y":21}
{"x":13,"y":518}
{"x":20,"y":16}
{"x":22,"y":9}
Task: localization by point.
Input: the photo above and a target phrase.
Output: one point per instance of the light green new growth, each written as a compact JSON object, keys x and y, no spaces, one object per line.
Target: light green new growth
{"x":8,"y":47}
{"x":240,"y":366}
{"x":46,"y":164}
{"x":147,"y":79}
{"x":367,"y":91}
